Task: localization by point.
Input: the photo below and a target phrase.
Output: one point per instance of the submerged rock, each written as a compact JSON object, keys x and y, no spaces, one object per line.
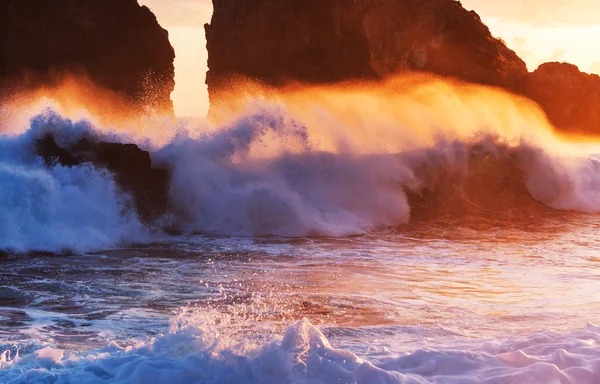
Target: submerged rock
{"x":116,"y":44}
{"x":131,"y":166}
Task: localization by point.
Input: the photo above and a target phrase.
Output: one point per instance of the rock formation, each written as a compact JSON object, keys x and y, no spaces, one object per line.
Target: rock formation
{"x":322,"y":41}
{"x":441,"y":37}
{"x":310,"y":41}
{"x":117,"y":44}
{"x":570,"y":98}
{"x":132,"y":168}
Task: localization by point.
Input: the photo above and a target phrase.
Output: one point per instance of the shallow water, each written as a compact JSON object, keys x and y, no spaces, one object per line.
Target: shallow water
{"x":423,"y":287}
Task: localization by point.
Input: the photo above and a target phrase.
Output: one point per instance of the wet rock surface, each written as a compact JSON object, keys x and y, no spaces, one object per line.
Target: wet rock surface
{"x":131,"y":166}
{"x":310,"y":41}
{"x":334,"y":40}
{"x":571,"y":98}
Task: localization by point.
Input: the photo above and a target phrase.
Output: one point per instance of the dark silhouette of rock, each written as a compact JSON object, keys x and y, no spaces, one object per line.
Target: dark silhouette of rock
{"x":438,"y":36}
{"x":571,"y":98}
{"x":274,"y":41}
{"x":322,"y":41}
{"x":131,"y":167}
{"x":117,"y":44}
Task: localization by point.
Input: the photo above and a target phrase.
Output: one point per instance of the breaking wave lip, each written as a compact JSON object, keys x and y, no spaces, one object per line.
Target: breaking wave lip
{"x":201,"y":348}
{"x":220,"y":186}
{"x":315,"y":162}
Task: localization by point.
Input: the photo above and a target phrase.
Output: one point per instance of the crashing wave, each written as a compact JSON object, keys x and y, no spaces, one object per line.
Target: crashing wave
{"x":200,"y":348}
{"x":324,"y":162}
{"x":59,"y":208}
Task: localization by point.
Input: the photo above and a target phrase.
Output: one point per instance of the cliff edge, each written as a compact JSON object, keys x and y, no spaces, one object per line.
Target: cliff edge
{"x":275,"y":41}
{"x":441,"y":37}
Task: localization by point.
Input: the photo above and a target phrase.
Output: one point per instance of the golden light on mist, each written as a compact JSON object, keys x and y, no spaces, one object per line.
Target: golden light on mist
{"x":535,"y":29}
{"x":77,"y":98}
{"x":399,"y":114}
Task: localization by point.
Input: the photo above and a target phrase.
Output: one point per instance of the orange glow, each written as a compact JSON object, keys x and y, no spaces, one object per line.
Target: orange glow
{"x":401,"y":113}
{"x":190,"y":96}
{"x":538,"y":31}
{"x":77,"y":98}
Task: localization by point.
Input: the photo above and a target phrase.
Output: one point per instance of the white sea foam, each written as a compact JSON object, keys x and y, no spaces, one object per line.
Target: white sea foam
{"x":58,"y":208}
{"x":219,"y":187}
{"x":205,"y":350}
{"x":265,"y":175}
{"x":275,"y":171}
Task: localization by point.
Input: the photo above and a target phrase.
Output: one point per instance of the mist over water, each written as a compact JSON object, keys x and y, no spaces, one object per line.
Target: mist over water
{"x":344,"y":161}
{"x":418,"y":231}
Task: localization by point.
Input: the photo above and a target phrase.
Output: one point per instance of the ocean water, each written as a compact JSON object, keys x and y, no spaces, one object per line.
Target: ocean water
{"x":457,"y":243}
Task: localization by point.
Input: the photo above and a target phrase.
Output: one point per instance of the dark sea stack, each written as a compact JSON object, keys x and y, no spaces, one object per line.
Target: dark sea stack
{"x":441,"y":37}
{"x":322,"y":41}
{"x":274,"y":41}
{"x":131,"y":166}
{"x":117,"y":44}
{"x":571,"y":98}
{"x":325,"y":41}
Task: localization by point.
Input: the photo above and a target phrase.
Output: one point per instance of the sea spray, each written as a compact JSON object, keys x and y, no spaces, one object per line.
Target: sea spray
{"x":311,"y":161}
{"x":221,"y":187}
{"x":59,"y":208}
{"x":304,"y":355}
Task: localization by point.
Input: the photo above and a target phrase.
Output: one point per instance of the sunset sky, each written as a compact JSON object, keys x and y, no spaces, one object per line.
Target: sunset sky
{"x":538,"y":30}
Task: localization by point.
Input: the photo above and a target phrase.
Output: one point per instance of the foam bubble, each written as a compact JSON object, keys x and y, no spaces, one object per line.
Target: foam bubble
{"x":204,"y":352}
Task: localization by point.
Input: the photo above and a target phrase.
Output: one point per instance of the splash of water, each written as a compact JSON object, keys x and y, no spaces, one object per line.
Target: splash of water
{"x":333,"y":161}
{"x":200,"y":348}
{"x":347,"y":159}
{"x":59,"y":208}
